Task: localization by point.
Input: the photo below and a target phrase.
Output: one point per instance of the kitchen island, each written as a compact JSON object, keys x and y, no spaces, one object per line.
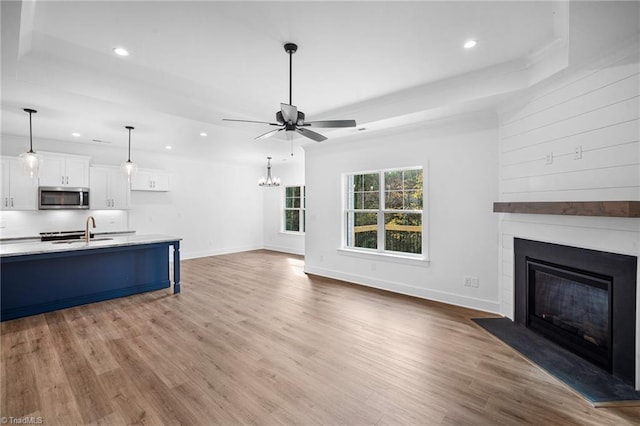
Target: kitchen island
{"x":39,"y":277}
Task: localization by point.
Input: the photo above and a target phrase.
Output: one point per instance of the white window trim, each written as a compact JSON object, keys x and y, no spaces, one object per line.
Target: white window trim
{"x":393,"y":257}
{"x":379,"y":253}
{"x":283,"y":209}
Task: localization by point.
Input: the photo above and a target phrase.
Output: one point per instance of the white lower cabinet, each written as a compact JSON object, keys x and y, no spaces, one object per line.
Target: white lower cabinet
{"x":109,"y":189}
{"x":151,"y":180}
{"x":19,"y":192}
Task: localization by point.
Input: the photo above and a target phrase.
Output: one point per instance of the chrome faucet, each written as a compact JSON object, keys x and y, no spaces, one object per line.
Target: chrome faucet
{"x":87,"y":235}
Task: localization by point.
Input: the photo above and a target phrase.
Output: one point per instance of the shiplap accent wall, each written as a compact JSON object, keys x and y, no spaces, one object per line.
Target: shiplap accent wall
{"x":593,"y":111}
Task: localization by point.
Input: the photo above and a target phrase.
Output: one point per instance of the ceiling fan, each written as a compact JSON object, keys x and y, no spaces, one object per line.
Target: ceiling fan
{"x":290,"y":119}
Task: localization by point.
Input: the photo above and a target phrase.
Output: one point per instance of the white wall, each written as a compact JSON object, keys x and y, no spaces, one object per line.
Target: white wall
{"x":595,"y":108}
{"x":291,"y":173}
{"x":460,"y":157}
{"x":215,"y":207}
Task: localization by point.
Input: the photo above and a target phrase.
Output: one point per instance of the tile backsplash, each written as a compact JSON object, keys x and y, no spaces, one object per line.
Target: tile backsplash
{"x":31,"y":223}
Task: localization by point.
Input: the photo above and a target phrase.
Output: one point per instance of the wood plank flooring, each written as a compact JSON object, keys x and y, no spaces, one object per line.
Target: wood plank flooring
{"x":253,"y":340}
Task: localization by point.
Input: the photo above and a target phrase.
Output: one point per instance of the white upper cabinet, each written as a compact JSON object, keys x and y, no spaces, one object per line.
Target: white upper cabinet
{"x":19,"y":192}
{"x":64,"y":170}
{"x":109,"y":189}
{"x":151,"y":180}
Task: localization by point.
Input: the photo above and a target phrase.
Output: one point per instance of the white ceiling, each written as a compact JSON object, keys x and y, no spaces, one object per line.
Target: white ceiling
{"x":193,"y":63}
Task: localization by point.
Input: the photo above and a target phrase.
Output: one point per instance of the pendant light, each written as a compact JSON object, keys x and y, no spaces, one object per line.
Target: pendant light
{"x":30,"y":160}
{"x":129,"y":167}
{"x":269,"y":181}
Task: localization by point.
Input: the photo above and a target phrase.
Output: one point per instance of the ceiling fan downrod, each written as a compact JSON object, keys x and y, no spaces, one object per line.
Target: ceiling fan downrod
{"x":290,"y":48}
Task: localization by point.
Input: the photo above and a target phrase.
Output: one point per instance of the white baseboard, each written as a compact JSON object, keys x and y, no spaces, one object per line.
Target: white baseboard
{"x":197,"y":254}
{"x":284,"y":249}
{"x":423,"y":293}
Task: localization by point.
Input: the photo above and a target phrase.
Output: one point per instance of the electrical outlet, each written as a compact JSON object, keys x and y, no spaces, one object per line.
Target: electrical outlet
{"x":577,"y":152}
{"x":472,"y":282}
{"x":549,"y":158}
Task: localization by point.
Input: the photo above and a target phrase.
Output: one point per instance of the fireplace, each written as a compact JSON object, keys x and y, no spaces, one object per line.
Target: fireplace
{"x":572,"y":308}
{"x":582,"y":300}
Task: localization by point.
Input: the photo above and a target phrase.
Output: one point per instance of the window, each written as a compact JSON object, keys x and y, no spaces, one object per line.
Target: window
{"x":294,"y":207}
{"x":385,"y":211}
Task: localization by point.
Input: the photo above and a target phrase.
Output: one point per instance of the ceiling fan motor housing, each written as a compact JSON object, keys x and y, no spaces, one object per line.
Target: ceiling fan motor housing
{"x":299,"y":121}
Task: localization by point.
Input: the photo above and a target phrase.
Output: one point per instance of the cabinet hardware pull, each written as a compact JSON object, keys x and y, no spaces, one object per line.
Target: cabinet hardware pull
{"x":6,"y":201}
{"x":11,"y":201}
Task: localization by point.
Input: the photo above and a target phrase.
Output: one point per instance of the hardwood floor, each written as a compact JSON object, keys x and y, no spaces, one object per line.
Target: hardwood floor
{"x":252,"y":339}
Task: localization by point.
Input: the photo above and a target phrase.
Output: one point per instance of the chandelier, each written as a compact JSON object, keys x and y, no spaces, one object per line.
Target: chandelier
{"x":269,"y":181}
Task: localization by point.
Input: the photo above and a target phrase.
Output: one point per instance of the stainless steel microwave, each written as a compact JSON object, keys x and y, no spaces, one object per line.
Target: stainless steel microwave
{"x":59,"y":198}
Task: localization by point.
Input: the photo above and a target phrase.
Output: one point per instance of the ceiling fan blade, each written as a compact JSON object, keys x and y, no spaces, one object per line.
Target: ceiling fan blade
{"x":311,"y":134}
{"x":268,"y":134}
{"x":331,"y":123}
{"x":289,"y":113}
{"x":252,"y":121}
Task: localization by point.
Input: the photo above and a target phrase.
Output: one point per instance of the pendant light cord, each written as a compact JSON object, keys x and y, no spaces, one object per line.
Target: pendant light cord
{"x":30,"y":111}
{"x":30,"y":135}
{"x":130,"y":128}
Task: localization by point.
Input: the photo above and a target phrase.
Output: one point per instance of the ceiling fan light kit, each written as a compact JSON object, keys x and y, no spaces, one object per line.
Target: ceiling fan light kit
{"x":290,"y":119}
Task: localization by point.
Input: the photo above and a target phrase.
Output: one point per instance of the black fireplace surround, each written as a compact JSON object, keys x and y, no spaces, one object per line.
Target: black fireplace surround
{"x":583,"y":300}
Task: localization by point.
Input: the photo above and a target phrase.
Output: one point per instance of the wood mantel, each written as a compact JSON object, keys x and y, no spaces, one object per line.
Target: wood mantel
{"x":572,"y":208}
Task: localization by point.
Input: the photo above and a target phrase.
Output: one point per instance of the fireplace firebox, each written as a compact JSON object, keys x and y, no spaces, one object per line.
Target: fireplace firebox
{"x":572,"y":308}
{"x":583,"y":300}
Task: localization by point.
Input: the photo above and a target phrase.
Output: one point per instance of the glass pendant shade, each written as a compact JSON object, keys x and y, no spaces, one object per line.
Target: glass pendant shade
{"x":129,"y":167}
{"x":269,"y":180}
{"x":30,"y":160}
{"x":30,"y":164}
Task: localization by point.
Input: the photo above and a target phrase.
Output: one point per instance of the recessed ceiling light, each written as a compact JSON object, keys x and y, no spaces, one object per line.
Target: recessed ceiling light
{"x":203,"y":134}
{"x":167,"y":147}
{"x":76,"y":134}
{"x":470,"y":44}
{"x":121,"y":51}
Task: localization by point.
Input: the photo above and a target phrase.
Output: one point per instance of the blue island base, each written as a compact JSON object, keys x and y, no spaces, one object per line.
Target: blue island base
{"x":38,"y":283}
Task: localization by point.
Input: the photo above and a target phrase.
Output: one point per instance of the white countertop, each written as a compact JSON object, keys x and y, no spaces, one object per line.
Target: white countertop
{"x":21,"y":248}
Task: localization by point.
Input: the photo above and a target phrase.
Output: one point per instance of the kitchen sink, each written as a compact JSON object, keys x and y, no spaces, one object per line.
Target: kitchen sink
{"x":80,"y":241}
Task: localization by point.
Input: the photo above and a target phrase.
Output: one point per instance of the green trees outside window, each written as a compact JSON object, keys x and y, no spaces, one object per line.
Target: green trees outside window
{"x":294,"y":208}
{"x":385,"y":211}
